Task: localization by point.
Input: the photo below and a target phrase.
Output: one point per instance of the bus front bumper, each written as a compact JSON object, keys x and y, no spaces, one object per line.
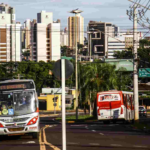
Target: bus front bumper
{"x":19,"y":130}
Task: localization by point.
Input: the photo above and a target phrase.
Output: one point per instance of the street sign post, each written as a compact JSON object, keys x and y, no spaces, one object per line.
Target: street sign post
{"x":144,"y":72}
{"x":63,"y":69}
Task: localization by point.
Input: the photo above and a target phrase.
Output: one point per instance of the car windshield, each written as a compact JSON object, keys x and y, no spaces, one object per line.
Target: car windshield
{"x":141,"y":108}
{"x":17,"y":103}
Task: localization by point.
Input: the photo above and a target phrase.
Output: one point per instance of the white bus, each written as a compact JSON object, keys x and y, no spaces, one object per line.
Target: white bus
{"x":19,"y":110}
{"x":115,"y":105}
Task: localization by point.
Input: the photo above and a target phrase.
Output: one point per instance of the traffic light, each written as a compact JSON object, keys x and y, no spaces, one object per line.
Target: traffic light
{"x":55,"y":99}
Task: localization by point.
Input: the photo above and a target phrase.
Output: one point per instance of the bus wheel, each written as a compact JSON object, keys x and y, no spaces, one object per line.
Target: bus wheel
{"x":35,"y":135}
{"x":106,"y":122}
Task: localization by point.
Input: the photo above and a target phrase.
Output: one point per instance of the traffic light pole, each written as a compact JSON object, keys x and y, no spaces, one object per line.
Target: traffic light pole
{"x":54,"y":104}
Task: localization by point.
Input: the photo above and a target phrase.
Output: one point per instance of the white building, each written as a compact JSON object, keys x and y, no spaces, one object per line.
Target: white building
{"x":64,"y":38}
{"x":10,"y":35}
{"x":121,"y":42}
{"x":44,"y":37}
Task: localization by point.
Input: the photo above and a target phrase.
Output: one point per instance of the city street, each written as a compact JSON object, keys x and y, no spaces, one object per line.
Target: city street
{"x":84,"y":136}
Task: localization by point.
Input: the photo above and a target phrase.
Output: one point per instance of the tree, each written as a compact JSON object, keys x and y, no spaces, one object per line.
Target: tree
{"x":125,"y":54}
{"x":80,"y":48}
{"x":97,"y":77}
{"x":39,"y":72}
{"x":64,"y":50}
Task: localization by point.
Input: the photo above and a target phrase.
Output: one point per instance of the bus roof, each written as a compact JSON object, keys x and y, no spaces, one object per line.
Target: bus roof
{"x":114,"y":91}
{"x":16,"y":80}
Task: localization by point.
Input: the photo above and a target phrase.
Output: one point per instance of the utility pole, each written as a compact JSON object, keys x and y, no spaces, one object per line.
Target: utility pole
{"x":76,"y":11}
{"x":136,"y":94}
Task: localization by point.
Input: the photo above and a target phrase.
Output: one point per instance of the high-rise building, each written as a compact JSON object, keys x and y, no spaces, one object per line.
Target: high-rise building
{"x":10,"y":35}
{"x":75,"y":23}
{"x":98,"y":33}
{"x":64,"y":37}
{"x":44,"y":39}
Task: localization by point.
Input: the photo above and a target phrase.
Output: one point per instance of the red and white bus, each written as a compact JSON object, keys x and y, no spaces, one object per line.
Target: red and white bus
{"x":115,"y":105}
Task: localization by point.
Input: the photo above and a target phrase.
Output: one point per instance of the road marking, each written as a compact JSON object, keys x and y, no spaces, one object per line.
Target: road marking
{"x":45,"y":140}
{"x":29,"y":142}
{"x":94,"y":144}
{"x":73,"y":143}
{"x":93,"y":130}
{"x":118,"y":145}
{"x":101,"y":133}
{"x":42,"y":145}
{"x":138,"y":146}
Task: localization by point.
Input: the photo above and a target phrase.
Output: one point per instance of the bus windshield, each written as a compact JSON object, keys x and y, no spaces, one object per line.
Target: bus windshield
{"x":15,"y":103}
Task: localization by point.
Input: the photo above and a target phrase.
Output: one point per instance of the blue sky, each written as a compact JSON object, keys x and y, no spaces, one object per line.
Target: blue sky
{"x":113,"y":11}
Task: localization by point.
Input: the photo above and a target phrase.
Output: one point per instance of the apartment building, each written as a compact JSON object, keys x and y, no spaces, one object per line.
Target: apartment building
{"x":10,"y":35}
{"x":43,"y":37}
{"x":98,"y":33}
{"x":75,"y":23}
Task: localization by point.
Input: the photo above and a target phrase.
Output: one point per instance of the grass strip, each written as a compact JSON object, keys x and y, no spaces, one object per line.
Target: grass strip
{"x":141,"y":126}
{"x":80,"y":118}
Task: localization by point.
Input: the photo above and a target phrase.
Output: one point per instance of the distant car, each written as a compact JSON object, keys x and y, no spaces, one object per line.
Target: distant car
{"x":142,"y":111}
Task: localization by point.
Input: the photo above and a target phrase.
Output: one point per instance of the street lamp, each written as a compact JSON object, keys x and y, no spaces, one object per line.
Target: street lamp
{"x":76,"y":11}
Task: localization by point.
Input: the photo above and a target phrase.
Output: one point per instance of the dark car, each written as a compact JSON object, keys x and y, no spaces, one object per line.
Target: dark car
{"x":142,"y":111}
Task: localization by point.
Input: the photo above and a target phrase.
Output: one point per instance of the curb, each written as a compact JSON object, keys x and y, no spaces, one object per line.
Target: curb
{"x":50,"y":115}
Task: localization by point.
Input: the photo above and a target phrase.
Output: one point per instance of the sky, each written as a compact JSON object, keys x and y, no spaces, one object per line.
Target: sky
{"x":113,"y":11}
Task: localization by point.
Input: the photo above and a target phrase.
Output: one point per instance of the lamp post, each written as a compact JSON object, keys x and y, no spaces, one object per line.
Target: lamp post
{"x":76,"y":11}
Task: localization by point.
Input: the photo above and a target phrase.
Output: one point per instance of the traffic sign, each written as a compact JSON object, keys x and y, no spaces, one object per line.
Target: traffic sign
{"x":144,"y":72}
{"x":69,"y":69}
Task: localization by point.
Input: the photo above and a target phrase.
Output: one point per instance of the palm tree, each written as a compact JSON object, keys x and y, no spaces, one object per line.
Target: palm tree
{"x":97,"y":77}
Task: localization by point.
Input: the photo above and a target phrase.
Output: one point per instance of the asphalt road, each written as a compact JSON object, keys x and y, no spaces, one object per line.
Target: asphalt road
{"x":85,"y":136}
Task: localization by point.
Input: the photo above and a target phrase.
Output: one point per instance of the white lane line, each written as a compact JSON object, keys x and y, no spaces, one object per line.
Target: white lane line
{"x":93,"y":130}
{"x":94,"y":144}
{"x":138,"y":146}
{"x":118,"y":145}
{"x":29,"y":142}
{"x":101,"y":133}
{"x":72,"y":143}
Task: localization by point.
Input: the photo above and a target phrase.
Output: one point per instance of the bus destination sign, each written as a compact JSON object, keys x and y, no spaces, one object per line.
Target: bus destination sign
{"x":16,"y":86}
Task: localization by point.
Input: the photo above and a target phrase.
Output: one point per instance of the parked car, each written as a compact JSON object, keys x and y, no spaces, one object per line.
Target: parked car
{"x":142,"y":111}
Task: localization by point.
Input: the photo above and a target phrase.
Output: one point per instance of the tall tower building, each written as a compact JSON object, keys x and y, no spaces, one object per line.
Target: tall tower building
{"x":10,"y":35}
{"x":75,"y":22}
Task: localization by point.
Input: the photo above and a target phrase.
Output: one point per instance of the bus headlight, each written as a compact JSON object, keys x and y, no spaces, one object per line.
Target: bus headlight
{"x":33,"y":121}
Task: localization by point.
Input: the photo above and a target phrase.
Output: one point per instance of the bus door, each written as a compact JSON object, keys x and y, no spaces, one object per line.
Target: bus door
{"x":115,"y":105}
{"x":104,"y":106}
